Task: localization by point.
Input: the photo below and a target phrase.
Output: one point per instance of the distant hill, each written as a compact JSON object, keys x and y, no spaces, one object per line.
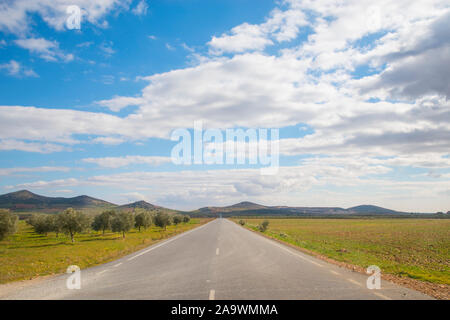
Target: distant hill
{"x":253,"y":209}
{"x":372,"y":209}
{"x":246,"y":205}
{"x":241,"y":206}
{"x":138,"y":205}
{"x":25,"y":200}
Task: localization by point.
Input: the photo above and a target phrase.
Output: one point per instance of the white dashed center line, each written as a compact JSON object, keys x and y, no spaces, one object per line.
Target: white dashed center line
{"x":212,"y":294}
{"x":381,"y":296}
{"x":217,"y":251}
{"x":334,"y":272}
{"x":354,"y":282}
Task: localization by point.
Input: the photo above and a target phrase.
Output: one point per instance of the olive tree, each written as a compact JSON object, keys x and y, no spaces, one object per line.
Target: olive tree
{"x":162,"y":220}
{"x":186,"y":218}
{"x":55,"y":222}
{"x":8,"y":223}
{"x":43,"y":224}
{"x":143,"y":219}
{"x":123,"y":222}
{"x":177,"y":219}
{"x":73,"y":222}
{"x":103,"y":221}
{"x":263,"y":226}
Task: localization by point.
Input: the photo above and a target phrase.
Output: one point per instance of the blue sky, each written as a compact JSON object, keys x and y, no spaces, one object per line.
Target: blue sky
{"x":358,"y":93}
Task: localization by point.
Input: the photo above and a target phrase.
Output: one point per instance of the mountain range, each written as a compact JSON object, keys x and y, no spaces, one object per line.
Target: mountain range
{"x":26,"y":201}
{"x":253,"y":209}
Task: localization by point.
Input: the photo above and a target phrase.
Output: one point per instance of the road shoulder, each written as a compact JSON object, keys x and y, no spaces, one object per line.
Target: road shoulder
{"x":437,"y":291}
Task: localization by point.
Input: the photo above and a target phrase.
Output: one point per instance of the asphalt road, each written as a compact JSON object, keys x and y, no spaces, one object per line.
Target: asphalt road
{"x":219,"y":260}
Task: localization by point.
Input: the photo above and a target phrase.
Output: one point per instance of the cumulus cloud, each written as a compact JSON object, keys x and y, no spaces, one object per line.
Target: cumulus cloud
{"x":241,"y":38}
{"x":132,"y":197}
{"x":141,"y":8}
{"x":39,"y":147}
{"x":12,"y":171}
{"x":421,"y":68}
{"x":47,"y":50}
{"x":107,"y":48}
{"x":116,"y":162}
{"x":259,"y":90}
{"x":363,"y":127}
{"x":14,"y":68}
{"x":108,"y":140}
{"x":118,"y":103}
{"x":280,"y":26}
{"x":16,"y":16}
{"x":56,"y":126}
{"x":296,"y":186}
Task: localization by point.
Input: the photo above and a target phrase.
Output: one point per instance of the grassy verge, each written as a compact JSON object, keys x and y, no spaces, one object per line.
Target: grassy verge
{"x":414,"y":248}
{"x":26,"y":254}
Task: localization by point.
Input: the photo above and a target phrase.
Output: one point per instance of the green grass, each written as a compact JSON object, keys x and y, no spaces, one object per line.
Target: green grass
{"x":26,"y":254}
{"x":415,"y":248}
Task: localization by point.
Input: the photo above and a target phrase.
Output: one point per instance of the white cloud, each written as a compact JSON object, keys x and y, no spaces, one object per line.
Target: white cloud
{"x":279,"y":27}
{"x":16,"y":16}
{"x":118,"y":103}
{"x":12,"y":171}
{"x":242,"y":38}
{"x":133,"y":197}
{"x":64,"y":191}
{"x":107,"y":79}
{"x":307,"y":185}
{"x":14,"y":68}
{"x":141,"y":8}
{"x":47,"y":50}
{"x":311,"y":82}
{"x":109,"y":140}
{"x":187,"y":48}
{"x":421,"y":68}
{"x":12,"y":144}
{"x":107,"y":48}
{"x":85,"y":44}
{"x":50,"y":125}
{"x":117,"y":162}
